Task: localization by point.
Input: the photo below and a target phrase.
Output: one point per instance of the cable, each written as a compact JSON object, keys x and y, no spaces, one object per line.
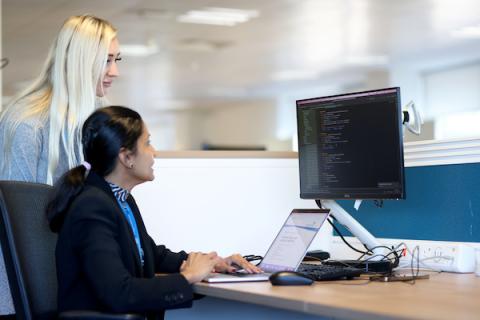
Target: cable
{"x":415,"y":257}
{"x":392,"y":251}
{"x":345,"y":241}
{"x":378,"y":203}
{"x":253,"y":257}
{"x":425,"y":265}
{"x":395,"y":260}
{"x":415,"y":274}
{"x":313,"y":258}
{"x":319,"y":204}
{"x":369,"y":251}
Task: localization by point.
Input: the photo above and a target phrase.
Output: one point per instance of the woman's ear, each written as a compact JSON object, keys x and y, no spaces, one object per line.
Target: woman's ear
{"x":125,"y":157}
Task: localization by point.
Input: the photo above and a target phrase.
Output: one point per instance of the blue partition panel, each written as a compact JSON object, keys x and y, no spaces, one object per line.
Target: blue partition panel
{"x":442,"y":203}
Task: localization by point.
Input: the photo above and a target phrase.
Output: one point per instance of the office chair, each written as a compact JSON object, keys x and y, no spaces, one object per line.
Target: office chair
{"x":29,"y":252}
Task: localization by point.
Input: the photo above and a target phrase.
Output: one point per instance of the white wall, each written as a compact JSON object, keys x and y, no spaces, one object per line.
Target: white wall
{"x":252,"y":123}
{"x":237,"y":124}
{"x":227,"y":205}
{"x":176,"y":129}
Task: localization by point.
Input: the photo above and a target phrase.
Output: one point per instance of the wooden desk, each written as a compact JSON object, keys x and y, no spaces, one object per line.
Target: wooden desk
{"x":443,"y":296}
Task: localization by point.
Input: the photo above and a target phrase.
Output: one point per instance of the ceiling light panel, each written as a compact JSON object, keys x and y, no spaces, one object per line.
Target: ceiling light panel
{"x":218,"y":16}
{"x":139,"y":50}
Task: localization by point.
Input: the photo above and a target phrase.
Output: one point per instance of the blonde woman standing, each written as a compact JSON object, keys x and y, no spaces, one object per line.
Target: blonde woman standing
{"x":40,"y":129}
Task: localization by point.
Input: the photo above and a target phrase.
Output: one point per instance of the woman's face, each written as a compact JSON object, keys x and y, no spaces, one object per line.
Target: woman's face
{"x":143,"y":158}
{"x":111,"y":70}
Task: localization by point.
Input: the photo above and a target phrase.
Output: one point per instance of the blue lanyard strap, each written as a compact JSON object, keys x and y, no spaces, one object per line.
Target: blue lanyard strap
{"x":133,"y":224}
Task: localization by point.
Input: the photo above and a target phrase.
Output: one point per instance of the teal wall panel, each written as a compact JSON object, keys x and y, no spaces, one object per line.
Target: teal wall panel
{"x":442,"y":203}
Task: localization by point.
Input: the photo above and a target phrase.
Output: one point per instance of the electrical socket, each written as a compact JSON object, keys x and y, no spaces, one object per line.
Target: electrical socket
{"x":444,"y":257}
{"x":437,"y":255}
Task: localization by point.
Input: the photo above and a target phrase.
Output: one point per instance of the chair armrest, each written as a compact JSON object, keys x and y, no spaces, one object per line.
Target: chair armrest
{"x":92,"y":315}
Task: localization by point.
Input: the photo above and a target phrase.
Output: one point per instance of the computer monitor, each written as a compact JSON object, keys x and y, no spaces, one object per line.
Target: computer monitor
{"x":350,"y":146}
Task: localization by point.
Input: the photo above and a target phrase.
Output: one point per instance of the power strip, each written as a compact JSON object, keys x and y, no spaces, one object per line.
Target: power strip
{"x":436,"y":255}
{"x":450,"y":258}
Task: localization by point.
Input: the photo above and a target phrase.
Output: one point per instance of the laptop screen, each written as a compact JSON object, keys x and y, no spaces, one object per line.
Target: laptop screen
{"x":292,"y":242}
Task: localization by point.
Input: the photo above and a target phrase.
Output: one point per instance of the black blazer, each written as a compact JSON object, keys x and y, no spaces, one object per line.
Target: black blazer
{"x":98,"y":265}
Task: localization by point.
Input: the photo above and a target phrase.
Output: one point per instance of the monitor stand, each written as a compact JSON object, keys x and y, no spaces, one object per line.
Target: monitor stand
{"x":362,"y":234}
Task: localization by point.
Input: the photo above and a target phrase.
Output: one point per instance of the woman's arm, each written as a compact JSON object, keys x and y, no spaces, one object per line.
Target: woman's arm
{"x":166,"y":260}
{"x":24,"y":154}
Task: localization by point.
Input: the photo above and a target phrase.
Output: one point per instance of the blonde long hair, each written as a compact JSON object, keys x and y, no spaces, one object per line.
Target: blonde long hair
{"x":64,"y":94}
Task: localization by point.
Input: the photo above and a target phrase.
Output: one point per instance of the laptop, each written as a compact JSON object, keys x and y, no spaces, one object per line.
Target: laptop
{"x":287,"y":250}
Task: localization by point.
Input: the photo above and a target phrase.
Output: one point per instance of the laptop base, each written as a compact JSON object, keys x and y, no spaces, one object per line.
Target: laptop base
{"x":225,"y":277}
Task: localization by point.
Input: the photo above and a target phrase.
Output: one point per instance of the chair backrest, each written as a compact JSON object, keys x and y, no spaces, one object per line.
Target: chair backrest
{"x":29,"y":248}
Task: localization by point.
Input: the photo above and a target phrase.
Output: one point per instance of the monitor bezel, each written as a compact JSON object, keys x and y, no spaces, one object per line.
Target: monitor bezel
{"x":355,"y":195}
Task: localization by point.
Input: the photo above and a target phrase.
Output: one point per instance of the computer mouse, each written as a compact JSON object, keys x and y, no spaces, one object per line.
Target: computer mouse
{"x":289,"y":278}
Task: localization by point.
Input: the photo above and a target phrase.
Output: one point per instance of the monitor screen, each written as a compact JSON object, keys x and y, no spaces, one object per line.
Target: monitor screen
{"x":350,"y":146}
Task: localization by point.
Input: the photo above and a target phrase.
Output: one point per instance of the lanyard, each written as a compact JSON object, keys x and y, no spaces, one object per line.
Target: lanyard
{"x":131,"y":220}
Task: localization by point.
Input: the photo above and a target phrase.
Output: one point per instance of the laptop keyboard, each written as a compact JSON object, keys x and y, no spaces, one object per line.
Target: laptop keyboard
{"x":320,"y":272}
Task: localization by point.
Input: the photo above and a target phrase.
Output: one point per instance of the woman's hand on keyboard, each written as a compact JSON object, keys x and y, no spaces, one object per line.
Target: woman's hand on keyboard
{"x":235,"y":262}
{"x":198,"y":265}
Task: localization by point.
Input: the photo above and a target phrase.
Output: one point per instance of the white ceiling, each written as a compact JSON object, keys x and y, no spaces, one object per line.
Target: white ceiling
{"x":330,"y":43}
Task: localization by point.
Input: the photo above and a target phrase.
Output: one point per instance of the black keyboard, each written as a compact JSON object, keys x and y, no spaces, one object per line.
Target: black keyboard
{"x":320,"y":272}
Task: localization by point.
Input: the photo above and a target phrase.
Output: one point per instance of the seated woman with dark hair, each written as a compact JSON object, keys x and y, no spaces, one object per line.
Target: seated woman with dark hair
{"x":106,"y":261}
